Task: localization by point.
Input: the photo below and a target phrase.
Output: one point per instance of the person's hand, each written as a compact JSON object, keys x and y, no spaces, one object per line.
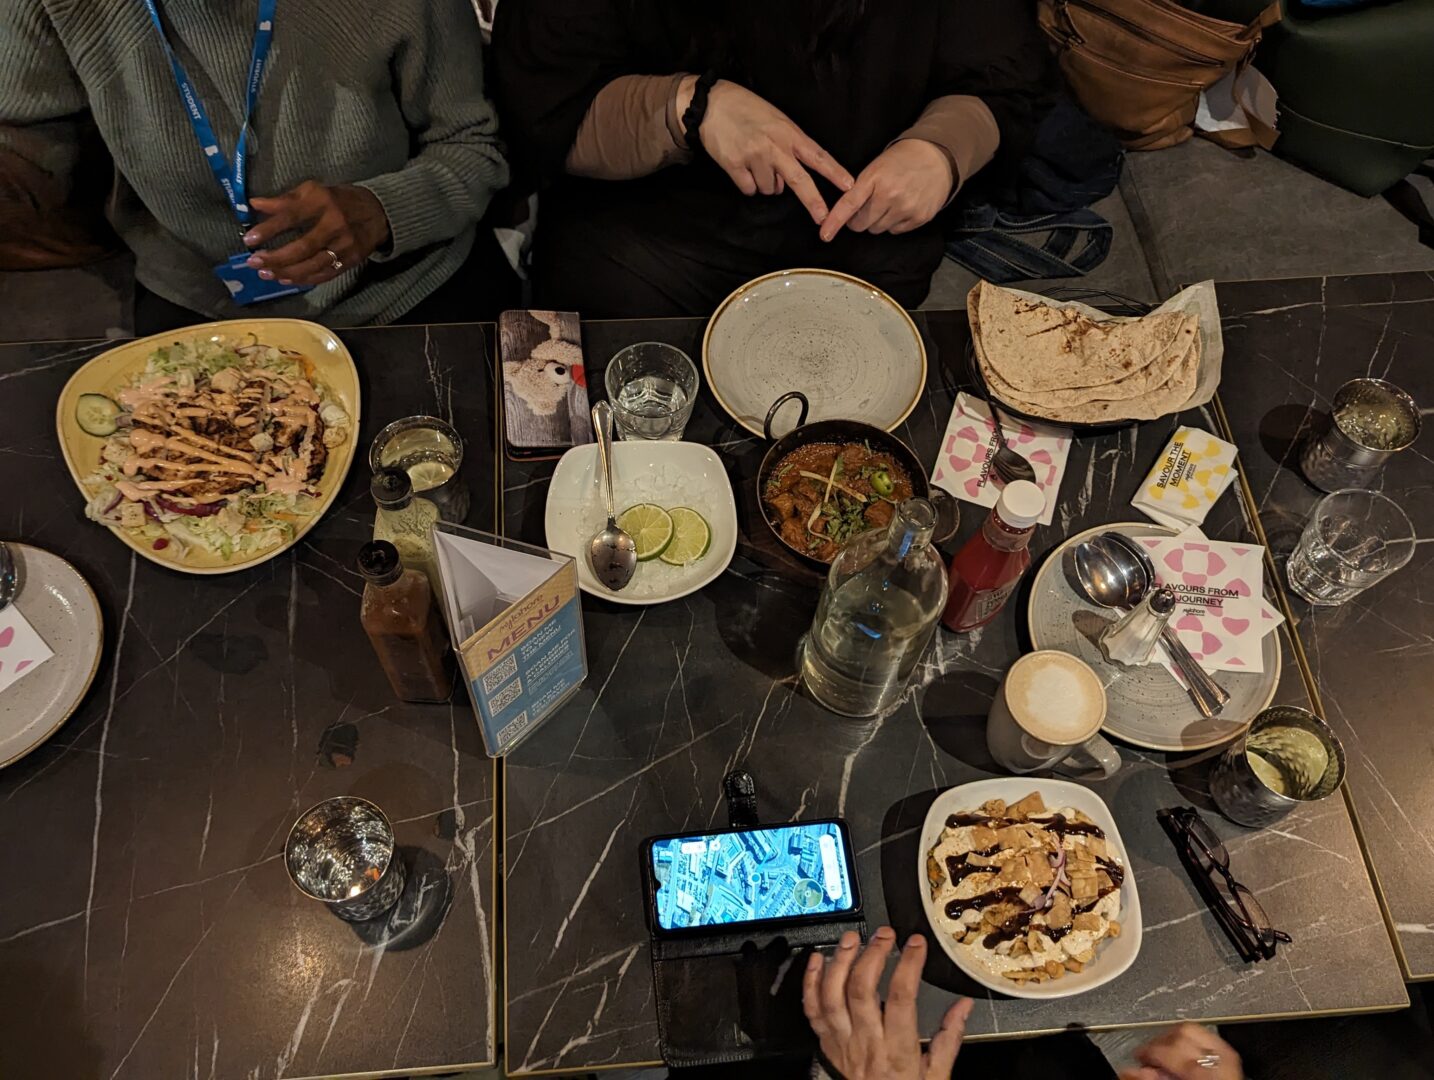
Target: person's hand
{"x":1177,"y":1055}
{"x":761,"y":149}
{"x":841,"y":1002}
{"x":345,"y":220}
{"x":903,"y":189}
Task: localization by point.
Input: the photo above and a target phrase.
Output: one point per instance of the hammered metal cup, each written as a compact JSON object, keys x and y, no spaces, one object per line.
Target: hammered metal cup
{"x":1371,"y":420}
{"x":1286,"y":757}
{"x":342,"y":852}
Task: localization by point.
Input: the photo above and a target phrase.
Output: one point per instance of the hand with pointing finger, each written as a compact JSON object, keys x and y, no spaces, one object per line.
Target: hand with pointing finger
{"x":903,"y":189}
{"x":343,"y":224}
{"x":860,"y":1039}
{"x":762,"y":150}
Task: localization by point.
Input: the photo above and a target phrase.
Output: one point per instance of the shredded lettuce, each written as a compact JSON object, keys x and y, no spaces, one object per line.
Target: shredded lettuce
{"x":203,"y":357}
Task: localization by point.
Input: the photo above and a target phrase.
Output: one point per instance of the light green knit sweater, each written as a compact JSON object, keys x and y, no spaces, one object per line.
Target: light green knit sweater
{"x":383,"y":93}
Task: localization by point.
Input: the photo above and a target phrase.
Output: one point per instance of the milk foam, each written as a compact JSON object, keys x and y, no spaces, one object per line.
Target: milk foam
{"x":1056,"y":698}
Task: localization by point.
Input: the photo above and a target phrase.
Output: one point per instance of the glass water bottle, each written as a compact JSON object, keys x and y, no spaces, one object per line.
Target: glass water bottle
{"x":878,"y":611}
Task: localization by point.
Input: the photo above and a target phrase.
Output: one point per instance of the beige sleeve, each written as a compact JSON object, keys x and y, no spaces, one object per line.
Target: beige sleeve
{"x":963,"y":127}
{"x":631,"y":129}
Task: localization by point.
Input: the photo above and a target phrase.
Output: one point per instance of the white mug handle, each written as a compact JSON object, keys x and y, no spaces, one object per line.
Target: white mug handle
{"x":1104,"y":756}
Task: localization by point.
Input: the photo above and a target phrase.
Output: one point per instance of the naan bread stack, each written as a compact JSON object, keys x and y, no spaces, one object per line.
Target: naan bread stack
{"x":1059,"y":364}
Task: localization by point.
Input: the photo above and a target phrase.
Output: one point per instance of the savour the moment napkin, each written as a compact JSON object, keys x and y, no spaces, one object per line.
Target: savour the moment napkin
{"x":963,"y":464}
{"x":21,"y":649}
{"x":1222,"y":616}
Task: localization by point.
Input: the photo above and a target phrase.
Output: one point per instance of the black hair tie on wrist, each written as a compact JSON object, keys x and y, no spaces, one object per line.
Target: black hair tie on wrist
{"x":697,"y":111}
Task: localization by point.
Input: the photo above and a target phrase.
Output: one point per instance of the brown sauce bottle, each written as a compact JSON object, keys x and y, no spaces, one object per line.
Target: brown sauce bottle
{"x":404,"y":626}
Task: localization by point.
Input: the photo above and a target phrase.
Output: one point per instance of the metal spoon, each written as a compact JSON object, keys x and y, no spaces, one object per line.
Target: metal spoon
{"x":611,"y":552}
{"x":9,"y":585}
{"x":1009,"y":465}
{"x":1113,"y":577}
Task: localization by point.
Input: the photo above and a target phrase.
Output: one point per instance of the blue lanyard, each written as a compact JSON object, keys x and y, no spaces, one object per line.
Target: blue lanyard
{"x":231,"y":176}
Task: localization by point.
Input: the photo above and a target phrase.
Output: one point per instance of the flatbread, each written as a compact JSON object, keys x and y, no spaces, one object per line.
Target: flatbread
{"x":1036,"y":347}
{"x":1167,"y":398}
{"x":1153,"y":376}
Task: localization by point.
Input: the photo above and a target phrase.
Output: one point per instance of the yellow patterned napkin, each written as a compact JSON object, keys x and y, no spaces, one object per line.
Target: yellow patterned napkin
{"x":1192,"y":472}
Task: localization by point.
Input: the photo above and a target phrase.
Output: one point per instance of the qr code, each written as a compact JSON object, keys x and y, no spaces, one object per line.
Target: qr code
{"x":505,"y":697}
{"x":500,"y":673}
{"x":513,"y":730}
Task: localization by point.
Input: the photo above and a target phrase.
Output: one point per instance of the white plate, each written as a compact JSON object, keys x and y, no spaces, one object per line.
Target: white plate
{"x":1112,"y":957}
{"x":669,"y":474}
{"x":62,"y":608}
{"x":1144,"y":705}
{"x":850,"y":348}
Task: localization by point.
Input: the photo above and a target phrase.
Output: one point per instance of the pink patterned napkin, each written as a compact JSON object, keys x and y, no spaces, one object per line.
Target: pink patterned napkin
{"x":1222,"y":617}
{"x":21,"y":649}
{"x":963,"y":464}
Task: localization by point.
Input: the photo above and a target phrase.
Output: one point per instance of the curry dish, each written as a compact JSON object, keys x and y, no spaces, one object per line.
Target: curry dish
{"x":821,"y":495}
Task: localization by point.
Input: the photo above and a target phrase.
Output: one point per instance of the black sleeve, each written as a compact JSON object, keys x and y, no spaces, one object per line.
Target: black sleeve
{"x":994,"y":50}
{"x":550,"y":59}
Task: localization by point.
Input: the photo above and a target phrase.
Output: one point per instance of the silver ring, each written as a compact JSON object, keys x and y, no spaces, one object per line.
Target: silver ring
{"x":337,"y":262}
{"x":1208,"y":1061}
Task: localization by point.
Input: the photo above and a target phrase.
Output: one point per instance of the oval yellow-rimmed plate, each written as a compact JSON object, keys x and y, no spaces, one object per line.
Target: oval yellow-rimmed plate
{"x":111,"y":371}
{"x":851,"y":349}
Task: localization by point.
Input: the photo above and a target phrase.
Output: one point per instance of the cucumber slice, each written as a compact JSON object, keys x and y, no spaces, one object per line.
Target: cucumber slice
{"x":97,"y":414}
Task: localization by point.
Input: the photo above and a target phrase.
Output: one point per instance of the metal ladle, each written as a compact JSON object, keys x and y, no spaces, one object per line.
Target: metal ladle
{"x":1113,"y":576}
{"x":611,"y":552}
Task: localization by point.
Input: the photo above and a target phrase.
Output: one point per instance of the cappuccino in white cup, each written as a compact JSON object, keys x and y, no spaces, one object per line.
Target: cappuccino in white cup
{"x":1049,"y":706}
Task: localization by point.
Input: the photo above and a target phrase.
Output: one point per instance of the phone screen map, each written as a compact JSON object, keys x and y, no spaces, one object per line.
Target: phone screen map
{"x":740,"y":877}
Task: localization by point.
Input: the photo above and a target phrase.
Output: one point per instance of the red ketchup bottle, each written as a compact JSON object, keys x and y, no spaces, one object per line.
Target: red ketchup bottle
{"x":986,"y":571}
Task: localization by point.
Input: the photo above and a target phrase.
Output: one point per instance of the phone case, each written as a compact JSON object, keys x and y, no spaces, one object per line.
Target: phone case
{"x":725,"y":998}
{"x":545,"y":396}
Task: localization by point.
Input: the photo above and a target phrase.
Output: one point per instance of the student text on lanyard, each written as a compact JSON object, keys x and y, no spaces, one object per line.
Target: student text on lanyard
{"x":232,"y":176}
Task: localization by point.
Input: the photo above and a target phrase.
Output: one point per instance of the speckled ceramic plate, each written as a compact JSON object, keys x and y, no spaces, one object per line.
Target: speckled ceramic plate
{"x":1145,"y":705}
{"x":853,"y":350}
{"x":60,"y":605}
{"x":669,"y":474}
{"x":1113,"y":957}
{"x":111,"y":370}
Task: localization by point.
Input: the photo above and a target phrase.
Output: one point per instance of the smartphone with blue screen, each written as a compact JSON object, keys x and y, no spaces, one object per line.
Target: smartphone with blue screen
{"x":763,"y":877}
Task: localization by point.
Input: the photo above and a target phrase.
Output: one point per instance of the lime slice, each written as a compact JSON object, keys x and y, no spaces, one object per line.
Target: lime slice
{"x":650,"y":528}
{"x":691,"y":537}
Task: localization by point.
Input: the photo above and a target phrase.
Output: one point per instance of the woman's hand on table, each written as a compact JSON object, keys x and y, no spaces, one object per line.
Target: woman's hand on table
{"x":903,"y":189}
{"x":344,"y":220}
{"x":1186,"y":1052}
{"x":759,"y":147}
{"x":858,"y":1038}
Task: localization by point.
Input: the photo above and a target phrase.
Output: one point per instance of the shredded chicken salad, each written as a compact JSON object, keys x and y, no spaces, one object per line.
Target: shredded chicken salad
{"x":218,"y":445}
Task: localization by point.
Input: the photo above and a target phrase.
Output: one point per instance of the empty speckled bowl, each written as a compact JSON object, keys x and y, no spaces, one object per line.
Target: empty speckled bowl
{"x":850,"y":348}
{"x":59,"y":604}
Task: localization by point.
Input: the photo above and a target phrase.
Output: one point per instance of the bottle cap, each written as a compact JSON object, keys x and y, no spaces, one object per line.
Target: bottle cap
{"x":391,"y":489}
{"x":1021,"y":504}
{"x":379,"y":564}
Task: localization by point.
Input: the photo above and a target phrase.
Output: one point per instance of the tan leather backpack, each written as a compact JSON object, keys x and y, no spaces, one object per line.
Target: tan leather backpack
{"x":1139,"y":66}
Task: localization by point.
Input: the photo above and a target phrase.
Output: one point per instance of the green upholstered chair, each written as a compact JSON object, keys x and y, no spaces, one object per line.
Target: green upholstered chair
{"x":1356,"y":86}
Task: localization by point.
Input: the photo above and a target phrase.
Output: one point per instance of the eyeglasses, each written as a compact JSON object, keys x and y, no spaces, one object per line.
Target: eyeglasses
{"x":1208,"y":863}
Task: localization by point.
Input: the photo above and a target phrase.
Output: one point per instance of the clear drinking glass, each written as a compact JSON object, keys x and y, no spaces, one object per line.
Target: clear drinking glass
{"x":1353,"y":539}
{"x":430,"y":451}
{"x":652,"y":387}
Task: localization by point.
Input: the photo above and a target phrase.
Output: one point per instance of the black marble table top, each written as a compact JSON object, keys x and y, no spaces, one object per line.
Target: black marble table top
{"x":1296,"y":343}
{"x":681,"y":693}
{"x":148,"y":928}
